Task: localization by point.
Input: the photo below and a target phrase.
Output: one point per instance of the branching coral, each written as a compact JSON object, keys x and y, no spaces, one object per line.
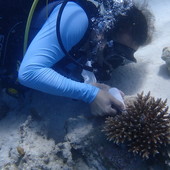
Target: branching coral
{"x":145,"y":126}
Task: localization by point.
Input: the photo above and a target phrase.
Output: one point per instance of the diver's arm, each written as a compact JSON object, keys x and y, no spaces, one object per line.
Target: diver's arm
{"x":35,"y":70}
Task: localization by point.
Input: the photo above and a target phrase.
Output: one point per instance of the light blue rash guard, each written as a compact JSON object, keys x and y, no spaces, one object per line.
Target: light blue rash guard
{"x":44,"y":51}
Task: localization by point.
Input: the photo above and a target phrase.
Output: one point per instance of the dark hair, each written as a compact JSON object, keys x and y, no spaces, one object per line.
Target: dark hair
{"x":134,"y":23}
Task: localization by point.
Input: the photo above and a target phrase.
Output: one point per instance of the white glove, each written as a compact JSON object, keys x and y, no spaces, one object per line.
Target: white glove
{"x":88,"y":76}
{"x":116,"y":93}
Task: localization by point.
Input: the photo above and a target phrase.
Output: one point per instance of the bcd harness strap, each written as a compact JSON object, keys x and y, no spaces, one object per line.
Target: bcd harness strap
{"x":67,"y":54}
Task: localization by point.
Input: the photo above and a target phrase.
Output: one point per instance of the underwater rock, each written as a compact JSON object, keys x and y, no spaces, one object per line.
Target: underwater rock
{"x":77,"y":129}
{"x":90,"y":145}
{"x":4,"y":109}
{"x":21,"y":151}
{"x":36,"y":151}
{"x":166,"y":57}
{"x":35,"y":114}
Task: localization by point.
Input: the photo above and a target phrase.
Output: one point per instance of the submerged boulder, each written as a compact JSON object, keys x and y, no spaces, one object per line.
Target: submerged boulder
{"x":89,"y":144}
{"x":166,"y":57}
{"x":4,"y":109}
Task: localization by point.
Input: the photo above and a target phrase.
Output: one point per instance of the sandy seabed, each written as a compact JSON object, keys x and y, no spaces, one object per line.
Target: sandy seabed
{"x":38,"y":124}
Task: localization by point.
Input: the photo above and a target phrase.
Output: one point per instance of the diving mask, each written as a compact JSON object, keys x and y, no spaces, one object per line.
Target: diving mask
{"x":115,"y":55}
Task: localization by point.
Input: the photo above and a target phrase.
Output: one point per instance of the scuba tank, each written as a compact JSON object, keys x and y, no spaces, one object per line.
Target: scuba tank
{"x":13,"y":16}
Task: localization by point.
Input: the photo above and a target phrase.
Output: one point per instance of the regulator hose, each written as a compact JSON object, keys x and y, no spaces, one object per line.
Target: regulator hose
{"x":27,"y":28}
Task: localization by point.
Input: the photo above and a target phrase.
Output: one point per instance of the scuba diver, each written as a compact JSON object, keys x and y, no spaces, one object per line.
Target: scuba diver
{"x":82,"y":38}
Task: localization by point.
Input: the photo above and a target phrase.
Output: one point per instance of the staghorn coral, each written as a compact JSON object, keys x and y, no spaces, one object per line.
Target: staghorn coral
{"x":144,"y":126}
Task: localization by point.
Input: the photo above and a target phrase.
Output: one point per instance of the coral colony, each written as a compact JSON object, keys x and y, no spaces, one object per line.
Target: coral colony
{"x":145,"y":126}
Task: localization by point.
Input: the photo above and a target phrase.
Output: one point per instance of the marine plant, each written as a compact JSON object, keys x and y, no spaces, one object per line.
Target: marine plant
{"x":144,"y":127}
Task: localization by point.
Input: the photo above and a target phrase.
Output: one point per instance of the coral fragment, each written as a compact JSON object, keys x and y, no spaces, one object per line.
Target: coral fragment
{"x":145,"y":126}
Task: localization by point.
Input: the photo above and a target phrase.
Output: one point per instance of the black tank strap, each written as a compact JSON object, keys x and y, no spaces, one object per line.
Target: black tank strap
{"x":71,"y":56}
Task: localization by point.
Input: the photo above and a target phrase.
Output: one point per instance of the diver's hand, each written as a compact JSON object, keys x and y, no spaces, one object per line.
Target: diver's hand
{"x":105,"y":104}
{"x":101,"y":86}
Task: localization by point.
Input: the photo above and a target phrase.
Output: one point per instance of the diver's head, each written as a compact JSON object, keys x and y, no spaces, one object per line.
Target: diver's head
{"x":132,"y":28}
{"x":122,"y":27}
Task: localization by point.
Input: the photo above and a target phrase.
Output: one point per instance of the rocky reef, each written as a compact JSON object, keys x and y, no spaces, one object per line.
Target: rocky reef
{"x":26,"y":143}
{"x":85,"y":147}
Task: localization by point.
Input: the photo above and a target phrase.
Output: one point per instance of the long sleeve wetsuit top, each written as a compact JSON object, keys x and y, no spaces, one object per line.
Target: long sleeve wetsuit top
{"x":44,"y":51}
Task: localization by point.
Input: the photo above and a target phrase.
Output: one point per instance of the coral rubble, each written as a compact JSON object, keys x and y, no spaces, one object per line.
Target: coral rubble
{"x":144,"y":126}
